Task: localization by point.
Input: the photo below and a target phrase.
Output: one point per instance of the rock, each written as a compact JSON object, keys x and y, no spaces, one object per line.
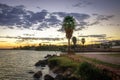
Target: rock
{"x":42,"y":68}
{"x":60,"y":77}
{"x":48,"y":56}
{"x":41,"y":63}
{"x":58,"y":70}
{"x":38,"y":74}
{"x":48,"y":77}
{"x":68,"y":72}
{"x":73,"y":78}
{"x":31,"y":72}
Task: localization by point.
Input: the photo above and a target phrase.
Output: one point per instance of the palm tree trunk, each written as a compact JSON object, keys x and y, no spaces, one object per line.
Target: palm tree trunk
{"x":68,"y":46}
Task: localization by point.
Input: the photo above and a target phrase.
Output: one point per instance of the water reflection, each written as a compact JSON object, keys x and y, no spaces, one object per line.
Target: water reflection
{"x":16,"y":64}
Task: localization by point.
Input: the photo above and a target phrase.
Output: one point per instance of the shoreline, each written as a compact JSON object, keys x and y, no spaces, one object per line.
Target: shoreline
{"x":103,"y":50}
{"x":66,"y":67}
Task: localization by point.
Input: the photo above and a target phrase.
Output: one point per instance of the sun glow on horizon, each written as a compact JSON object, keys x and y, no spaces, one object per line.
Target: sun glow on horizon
{"x":14,"y":38}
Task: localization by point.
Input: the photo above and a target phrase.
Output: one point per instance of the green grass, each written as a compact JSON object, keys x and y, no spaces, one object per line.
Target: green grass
{"x":100,"y":62}
{"x":64,"y":62}
{"x":83,"y":70}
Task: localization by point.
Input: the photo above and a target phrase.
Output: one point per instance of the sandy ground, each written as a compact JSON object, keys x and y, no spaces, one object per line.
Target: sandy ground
{"x":104,"y":58}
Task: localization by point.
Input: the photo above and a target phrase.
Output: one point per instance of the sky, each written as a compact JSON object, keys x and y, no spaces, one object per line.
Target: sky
{"x":30,"y":22}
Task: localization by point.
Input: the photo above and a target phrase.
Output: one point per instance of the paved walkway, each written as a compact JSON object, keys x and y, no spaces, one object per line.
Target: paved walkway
{"x":104,"y":58}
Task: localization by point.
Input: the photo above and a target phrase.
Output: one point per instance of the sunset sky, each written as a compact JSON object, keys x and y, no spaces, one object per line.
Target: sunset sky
{"x":30,"y":22}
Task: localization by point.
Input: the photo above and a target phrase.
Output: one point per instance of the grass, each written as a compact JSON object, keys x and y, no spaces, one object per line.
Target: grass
{"x":64,"y":62}
{"x":100,"y":62}
{"x":83,"y":70}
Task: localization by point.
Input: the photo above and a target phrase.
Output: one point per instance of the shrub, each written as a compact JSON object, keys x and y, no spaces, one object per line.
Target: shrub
{"x":52,"y":62}
{"x":90,"y":72}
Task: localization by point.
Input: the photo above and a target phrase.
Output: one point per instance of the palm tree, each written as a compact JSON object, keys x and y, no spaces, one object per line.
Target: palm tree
{"x":83,"y":41}
{"x":74,"y":40}
{"x":68,"y":26}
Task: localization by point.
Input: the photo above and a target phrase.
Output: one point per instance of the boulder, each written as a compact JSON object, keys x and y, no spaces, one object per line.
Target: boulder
{"x":48,"y":77}
{"x":41,"y":63}
{"x":57,"y":70}
{"x":73,"y":78}
{"x":60,"y":77}
{"x":38,"y":74}
{"x":31,"y":72}
{"x":48,"y":56}
{"x":68,"y":72}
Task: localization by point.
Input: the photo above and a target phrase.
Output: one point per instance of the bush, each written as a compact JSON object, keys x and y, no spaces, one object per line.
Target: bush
{"x":52,"y":62}
{"x":90,"y":72}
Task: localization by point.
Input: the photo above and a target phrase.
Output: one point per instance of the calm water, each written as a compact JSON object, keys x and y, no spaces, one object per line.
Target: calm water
{"x":15,"y":64}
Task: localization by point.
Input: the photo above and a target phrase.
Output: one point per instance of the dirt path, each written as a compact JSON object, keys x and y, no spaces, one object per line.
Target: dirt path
{"x":104,"y":58}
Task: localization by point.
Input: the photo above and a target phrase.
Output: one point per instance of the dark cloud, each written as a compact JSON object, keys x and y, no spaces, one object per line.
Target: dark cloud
{"x":100,"y":41}
{"x":28,"y":37}
{"x":101,"y":35}
{"x":52,"y":20}
{"x":95,"y":36}
{"x":104,"y":17}
{"x":80,"y":28}
{"x":82,"y":3}
{"x":100,"y":18}
{"x":94,"y":23}
{"x":19,"y":17}
{"x":10,"y":16}
{"x":29,"y":34}
{"x":82,"y":24}
{"x":38,"y":7}
{"x":61,"y":14}
{"x":80,"y":21}
{"x":38,"y":17}
{"x":80,"y":17}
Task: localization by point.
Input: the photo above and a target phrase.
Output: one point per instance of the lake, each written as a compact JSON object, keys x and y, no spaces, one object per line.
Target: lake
{"x":16,"y":64}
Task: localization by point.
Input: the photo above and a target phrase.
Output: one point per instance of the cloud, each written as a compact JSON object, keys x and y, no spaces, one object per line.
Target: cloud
{"x":29,"y":34}
{"x":29,"y":38}
{"x":85,"y":20}
{"x":100,"y":18}
{"x":79,"y":16}
{"x":38,"y":7}
{"x":82,"y":3}
{"x":80,"y":21}
{"x":10,"y":16}
{"x":3,"y":41}
{"x":8,"y":37}
{"x":102,"y":36}
{"x":103,"y":17}
{"x":18,"y":16}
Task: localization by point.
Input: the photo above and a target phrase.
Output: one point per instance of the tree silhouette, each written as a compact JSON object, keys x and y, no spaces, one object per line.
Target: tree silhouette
{"x":68,"y":26}
{"x":74,"y":40}
{"x":83,"y":41}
